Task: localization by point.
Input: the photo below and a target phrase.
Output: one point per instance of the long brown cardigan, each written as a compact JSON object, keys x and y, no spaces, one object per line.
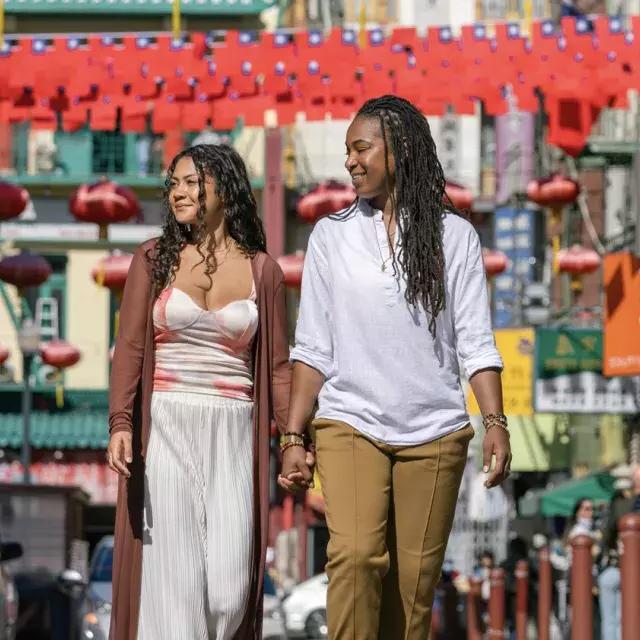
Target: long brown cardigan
{"x":131,"y":386}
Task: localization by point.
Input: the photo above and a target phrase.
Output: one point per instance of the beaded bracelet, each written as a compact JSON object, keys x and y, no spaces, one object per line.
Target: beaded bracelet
{"x":495,"y":420}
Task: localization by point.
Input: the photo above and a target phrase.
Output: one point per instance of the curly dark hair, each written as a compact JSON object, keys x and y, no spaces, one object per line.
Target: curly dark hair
{"x":418,"y":199}
{"x":226,"y":167}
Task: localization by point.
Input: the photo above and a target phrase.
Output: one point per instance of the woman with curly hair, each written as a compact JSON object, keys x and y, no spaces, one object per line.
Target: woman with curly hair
{"x":393,"y":296}
{"x":199,"y":370}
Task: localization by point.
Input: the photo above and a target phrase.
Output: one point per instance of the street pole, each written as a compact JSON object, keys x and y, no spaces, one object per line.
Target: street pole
{"x":27,"y":359}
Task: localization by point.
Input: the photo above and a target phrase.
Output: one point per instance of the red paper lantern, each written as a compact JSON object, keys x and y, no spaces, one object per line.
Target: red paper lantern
{"x":495,"y":262}
{"x":103,"y":203}
{"x":13,"y":200}
{"x":460,"y":196}
{"x":59,"y":354}
{"x":111,"y":272}
{"x":327,"y":198}
{"x":24,"y":270}
{"x":554,"y":192}
{"x":4,"y":354}
{"x":292,"y":266}
{"x":578,"y":260}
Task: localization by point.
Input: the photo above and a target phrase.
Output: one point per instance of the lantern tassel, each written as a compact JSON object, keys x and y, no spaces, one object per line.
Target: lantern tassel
{"x":175,"y":19}
{"x":1,"y":24}
{"x":59,"y":396}
{"x":362,"y":22}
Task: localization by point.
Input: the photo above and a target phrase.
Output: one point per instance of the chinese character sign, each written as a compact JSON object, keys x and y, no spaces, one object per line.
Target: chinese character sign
{"x":514,"y":235}
{"x":569,"y":375}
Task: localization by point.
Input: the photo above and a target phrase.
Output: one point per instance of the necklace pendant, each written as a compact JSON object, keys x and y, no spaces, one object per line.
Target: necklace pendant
{"x":383,"y":268}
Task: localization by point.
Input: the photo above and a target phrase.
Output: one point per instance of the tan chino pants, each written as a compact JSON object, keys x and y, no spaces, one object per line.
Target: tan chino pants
{"x":389,"y":511}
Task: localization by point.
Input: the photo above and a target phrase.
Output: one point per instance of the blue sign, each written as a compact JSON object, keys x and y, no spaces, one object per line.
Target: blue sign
{"x":514,"y":235}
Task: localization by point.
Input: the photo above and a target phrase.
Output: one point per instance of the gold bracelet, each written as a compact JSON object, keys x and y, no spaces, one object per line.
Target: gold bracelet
{"x":290,"y":439}
{"x":495,"y":420}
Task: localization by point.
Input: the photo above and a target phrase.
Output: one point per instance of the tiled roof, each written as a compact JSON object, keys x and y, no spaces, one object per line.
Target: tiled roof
{"x":79,"y":429}
{"x":188,"y":7}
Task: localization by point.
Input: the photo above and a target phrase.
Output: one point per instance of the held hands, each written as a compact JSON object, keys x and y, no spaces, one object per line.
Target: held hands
{"x":496,"y":443}
{"x":119,"y":453}
{"x":297,"y":469}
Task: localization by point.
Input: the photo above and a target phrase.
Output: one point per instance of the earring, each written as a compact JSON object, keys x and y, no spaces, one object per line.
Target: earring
{"x":187,"y":228}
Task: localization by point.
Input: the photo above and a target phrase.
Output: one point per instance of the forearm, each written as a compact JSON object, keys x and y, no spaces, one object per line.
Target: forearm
{"x":487,"y":388}
{"x":305,"y":387}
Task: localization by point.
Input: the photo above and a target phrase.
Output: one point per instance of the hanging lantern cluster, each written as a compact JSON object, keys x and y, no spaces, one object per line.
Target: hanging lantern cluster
{"x":111,"y":272}
{"x":13,"y":200}
{"x":104,"y":203}
{"x":461,"y":197}
{"x":328,"y":197}
{"x":292,"y":266}
{"x":495,"y":262}
{"x":554,"y":192}
{"x":24,"y":270}
{"x":60,"y":355}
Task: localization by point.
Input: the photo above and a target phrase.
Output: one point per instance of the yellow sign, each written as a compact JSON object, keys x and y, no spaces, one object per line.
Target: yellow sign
{"x":516,"y":348}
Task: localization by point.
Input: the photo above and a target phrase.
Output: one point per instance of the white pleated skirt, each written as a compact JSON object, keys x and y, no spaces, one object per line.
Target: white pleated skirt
{"x":198,"y":517}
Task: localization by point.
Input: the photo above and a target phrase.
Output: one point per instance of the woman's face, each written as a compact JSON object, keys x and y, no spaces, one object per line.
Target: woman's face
{"x":184,"y":191}
{"x":365,"y":159}
{"x":585,"y":512}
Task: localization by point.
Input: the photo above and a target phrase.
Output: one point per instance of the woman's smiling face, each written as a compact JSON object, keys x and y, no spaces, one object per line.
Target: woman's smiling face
{"x":184,"y":193}
{"x":366,"y":159}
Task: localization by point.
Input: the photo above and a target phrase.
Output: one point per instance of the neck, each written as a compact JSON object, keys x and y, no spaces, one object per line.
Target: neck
{"x":384,"y":203}
{"x":218,"y":231}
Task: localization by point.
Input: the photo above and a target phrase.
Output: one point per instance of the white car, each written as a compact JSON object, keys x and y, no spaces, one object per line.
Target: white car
{"x":305,"y":609}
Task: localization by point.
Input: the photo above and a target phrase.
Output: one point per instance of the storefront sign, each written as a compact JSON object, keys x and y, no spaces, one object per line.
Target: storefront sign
{"x":622,"y":315}
{"x":516,"y":348}
{"x":569,"y":375}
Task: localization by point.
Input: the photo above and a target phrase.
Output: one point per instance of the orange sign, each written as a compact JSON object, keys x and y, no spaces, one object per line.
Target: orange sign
{"x":622,"y":315}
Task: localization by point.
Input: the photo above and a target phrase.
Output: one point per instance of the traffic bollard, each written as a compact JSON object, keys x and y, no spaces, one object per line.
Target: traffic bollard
{"x":522,"y":599}
{"x":544,"y":594}
{"x":629,"y":528}
{"x":581,"y":588}
{"x":474,"y":623}
{"x":496,"y":604}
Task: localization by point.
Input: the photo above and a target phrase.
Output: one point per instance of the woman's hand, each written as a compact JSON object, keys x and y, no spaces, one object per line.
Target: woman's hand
{"x":496,"y":443}
{"x":297,"y":469}
{"x":119,"y":453}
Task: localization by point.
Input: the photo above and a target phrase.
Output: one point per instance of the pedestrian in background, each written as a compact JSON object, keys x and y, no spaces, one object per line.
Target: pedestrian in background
{"x":200,"y":368}
{"x":609,"y":579}
{"x":393,"y":295}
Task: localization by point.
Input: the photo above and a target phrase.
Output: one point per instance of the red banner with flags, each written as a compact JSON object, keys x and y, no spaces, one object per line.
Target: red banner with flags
{"x":577,"y":69}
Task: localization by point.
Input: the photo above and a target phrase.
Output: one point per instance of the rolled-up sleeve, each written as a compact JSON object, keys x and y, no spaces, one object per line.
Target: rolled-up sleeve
{"x":475,"y":341}
{"x":313,"y":341}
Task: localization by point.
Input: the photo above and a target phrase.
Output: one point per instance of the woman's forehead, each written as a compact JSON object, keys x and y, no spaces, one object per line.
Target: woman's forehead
{"x":363,"y":128}
{"x":185,"y":166}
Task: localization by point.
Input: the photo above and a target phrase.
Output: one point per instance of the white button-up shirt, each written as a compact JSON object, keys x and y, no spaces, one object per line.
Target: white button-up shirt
{"x":385,"y":375}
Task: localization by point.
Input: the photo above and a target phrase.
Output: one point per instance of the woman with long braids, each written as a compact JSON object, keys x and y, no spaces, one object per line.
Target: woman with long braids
{"x":199,"y":370}
{"x":393,"y":296}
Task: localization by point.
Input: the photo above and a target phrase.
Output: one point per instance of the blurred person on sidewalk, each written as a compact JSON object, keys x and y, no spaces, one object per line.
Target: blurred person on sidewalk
{"x":394,"y":296}
{"x":625,"y":501}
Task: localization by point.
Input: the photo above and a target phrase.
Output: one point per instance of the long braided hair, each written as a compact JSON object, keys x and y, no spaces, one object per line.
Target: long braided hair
{"x":417,"y":193}
{"x":226,"y":167}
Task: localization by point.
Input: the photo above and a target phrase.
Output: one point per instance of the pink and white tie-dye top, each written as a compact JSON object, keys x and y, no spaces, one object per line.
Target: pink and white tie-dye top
{"x":204,"y":351}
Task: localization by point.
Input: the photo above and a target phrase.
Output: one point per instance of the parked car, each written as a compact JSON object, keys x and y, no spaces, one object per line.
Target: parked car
{"x":8,"y":591}
{"x":305,"y":609}
{"x":96,"y":612}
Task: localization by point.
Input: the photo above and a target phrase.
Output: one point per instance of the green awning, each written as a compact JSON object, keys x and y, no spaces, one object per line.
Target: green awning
{"x":82,"y":429}
{"x":561,"y":500}
{"x":139,"y":7}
